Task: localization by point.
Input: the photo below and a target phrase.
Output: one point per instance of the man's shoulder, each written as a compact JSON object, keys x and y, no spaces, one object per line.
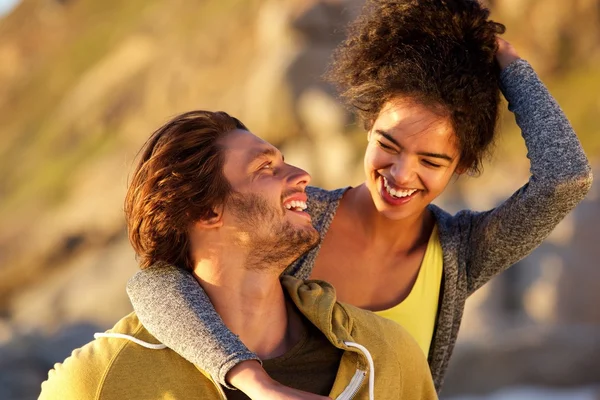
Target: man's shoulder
{"x":117,"y":364}
{"x":381,"y":334}
{"x":317,"y":300}
{"x":371,"y":326}
{"x":402,"y":370}
{"x":82,"y":373}
{"x":401,"y":367}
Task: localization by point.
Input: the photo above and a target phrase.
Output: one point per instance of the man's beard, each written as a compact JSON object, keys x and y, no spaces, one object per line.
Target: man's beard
{"x":282,"y":244}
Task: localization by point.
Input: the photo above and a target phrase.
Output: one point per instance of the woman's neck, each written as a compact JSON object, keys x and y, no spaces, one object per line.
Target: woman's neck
{"x":401,"y":235}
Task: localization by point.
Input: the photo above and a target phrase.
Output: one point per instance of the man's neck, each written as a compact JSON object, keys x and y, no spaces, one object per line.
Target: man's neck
{"x":253,"y":305}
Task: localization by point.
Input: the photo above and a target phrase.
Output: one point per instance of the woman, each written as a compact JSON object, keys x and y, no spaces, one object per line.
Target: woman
{"x":425,"y":79}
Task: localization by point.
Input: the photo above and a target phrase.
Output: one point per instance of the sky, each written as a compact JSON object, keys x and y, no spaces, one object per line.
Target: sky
{"x":6,"y":6}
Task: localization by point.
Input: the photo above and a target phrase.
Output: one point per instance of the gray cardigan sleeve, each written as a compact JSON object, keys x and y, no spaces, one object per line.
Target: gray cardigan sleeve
{"x":176,"y":310}
{"x":560,"y":178}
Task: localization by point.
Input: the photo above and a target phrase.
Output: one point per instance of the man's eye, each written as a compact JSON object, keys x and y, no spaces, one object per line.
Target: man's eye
{"x":268,"y":165}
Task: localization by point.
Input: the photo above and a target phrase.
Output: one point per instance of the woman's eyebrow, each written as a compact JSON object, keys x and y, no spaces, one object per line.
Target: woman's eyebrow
{"x":388,"y":137}
{"x":436,"y":155}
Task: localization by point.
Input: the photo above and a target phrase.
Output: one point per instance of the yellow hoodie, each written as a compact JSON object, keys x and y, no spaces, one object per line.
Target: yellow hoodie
{"x":381,"y":360}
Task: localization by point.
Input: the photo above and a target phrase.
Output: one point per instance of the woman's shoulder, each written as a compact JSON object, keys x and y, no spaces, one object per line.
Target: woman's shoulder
{"x":443,"y":219}
{"x":319,"y":195}
{"x":323,"y":203}
{"x":451,"y":227}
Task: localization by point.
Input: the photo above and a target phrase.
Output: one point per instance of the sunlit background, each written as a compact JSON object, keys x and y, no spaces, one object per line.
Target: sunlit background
{"x":6,"y":6}
{"x":83,"y":83}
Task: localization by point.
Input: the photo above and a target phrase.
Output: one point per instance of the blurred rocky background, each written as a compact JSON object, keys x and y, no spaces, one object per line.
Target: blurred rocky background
{"x":83,"y":83}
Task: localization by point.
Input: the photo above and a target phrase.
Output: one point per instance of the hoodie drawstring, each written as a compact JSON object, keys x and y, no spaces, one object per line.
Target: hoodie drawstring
{"x":147,"y":345}
{"x":364,"y":350}
{"x":161,"y":346}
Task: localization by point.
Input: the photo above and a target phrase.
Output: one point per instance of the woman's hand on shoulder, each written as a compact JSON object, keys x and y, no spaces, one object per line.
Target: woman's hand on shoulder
{"x":506,"y":53}
{"x":281,"y":392}
{"x":250,"y":378}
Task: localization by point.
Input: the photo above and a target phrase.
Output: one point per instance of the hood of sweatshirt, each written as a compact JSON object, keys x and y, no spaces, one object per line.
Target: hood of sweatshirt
{"x":365,"y":338}
{"x":316,"y":300}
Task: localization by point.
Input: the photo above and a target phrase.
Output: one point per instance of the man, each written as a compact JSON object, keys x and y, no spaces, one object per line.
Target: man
{"x":210,"y":196}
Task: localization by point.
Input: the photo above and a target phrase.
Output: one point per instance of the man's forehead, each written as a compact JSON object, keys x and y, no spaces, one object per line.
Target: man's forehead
{"x":246,"y":146}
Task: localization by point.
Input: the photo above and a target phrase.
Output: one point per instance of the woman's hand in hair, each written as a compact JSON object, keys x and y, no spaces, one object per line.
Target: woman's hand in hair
{"x":506,"y":53}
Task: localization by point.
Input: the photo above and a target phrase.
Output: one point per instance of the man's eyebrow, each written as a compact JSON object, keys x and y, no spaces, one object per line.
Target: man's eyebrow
{"x":423,"y":153}
{"x":265,"y":153}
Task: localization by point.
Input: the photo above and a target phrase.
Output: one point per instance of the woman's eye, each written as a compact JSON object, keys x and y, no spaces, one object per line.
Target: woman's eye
{"x":385,"y":146}
{"x":431,"y":164}
{"x":268,"y":165}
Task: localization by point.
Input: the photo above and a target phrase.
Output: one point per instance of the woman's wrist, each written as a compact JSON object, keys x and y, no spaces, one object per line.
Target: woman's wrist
{"x":249,"y":377}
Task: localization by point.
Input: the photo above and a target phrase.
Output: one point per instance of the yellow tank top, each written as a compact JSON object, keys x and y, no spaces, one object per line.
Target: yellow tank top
{"x":417,"y":313}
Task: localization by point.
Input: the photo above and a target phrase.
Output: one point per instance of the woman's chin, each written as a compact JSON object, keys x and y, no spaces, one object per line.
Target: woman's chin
{"x":395,"y":211}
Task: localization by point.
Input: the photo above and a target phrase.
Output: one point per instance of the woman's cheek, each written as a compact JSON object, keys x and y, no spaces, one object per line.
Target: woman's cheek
{"x":370,"y":158}
{"x":377,"y":159}
{"x":438,"y":180}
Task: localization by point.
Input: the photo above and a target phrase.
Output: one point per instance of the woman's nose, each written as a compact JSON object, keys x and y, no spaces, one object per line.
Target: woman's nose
{"x":402,"y":170}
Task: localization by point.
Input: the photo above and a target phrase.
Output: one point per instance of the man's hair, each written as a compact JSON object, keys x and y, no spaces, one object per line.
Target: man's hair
{"x":178,"y":181}
{"x":440,"y":53}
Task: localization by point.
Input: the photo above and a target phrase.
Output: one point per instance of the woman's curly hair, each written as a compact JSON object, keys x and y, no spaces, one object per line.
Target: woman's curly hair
{"x":440,"y":53}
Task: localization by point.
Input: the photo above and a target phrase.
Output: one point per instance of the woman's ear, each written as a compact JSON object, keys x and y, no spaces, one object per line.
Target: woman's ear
{"x":461,"y":170}
{"x":462,"y":167}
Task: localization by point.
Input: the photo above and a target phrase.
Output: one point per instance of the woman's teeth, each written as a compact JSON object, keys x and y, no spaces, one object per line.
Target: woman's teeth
{"x":396,"y":193}
{"x":296,"y":205}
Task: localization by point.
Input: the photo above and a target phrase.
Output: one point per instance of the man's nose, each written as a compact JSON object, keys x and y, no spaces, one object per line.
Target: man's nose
{"x":298,"y":177}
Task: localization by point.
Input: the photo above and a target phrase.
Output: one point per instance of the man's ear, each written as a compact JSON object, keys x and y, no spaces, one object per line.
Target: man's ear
{"x":213,"y":220}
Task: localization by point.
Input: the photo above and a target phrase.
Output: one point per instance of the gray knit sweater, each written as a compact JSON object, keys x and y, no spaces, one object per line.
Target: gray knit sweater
{"x":476,"y":245}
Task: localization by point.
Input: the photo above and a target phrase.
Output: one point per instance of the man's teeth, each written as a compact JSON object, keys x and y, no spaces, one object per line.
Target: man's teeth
{"x":397,"y":193}
{"x":296,"y":205}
